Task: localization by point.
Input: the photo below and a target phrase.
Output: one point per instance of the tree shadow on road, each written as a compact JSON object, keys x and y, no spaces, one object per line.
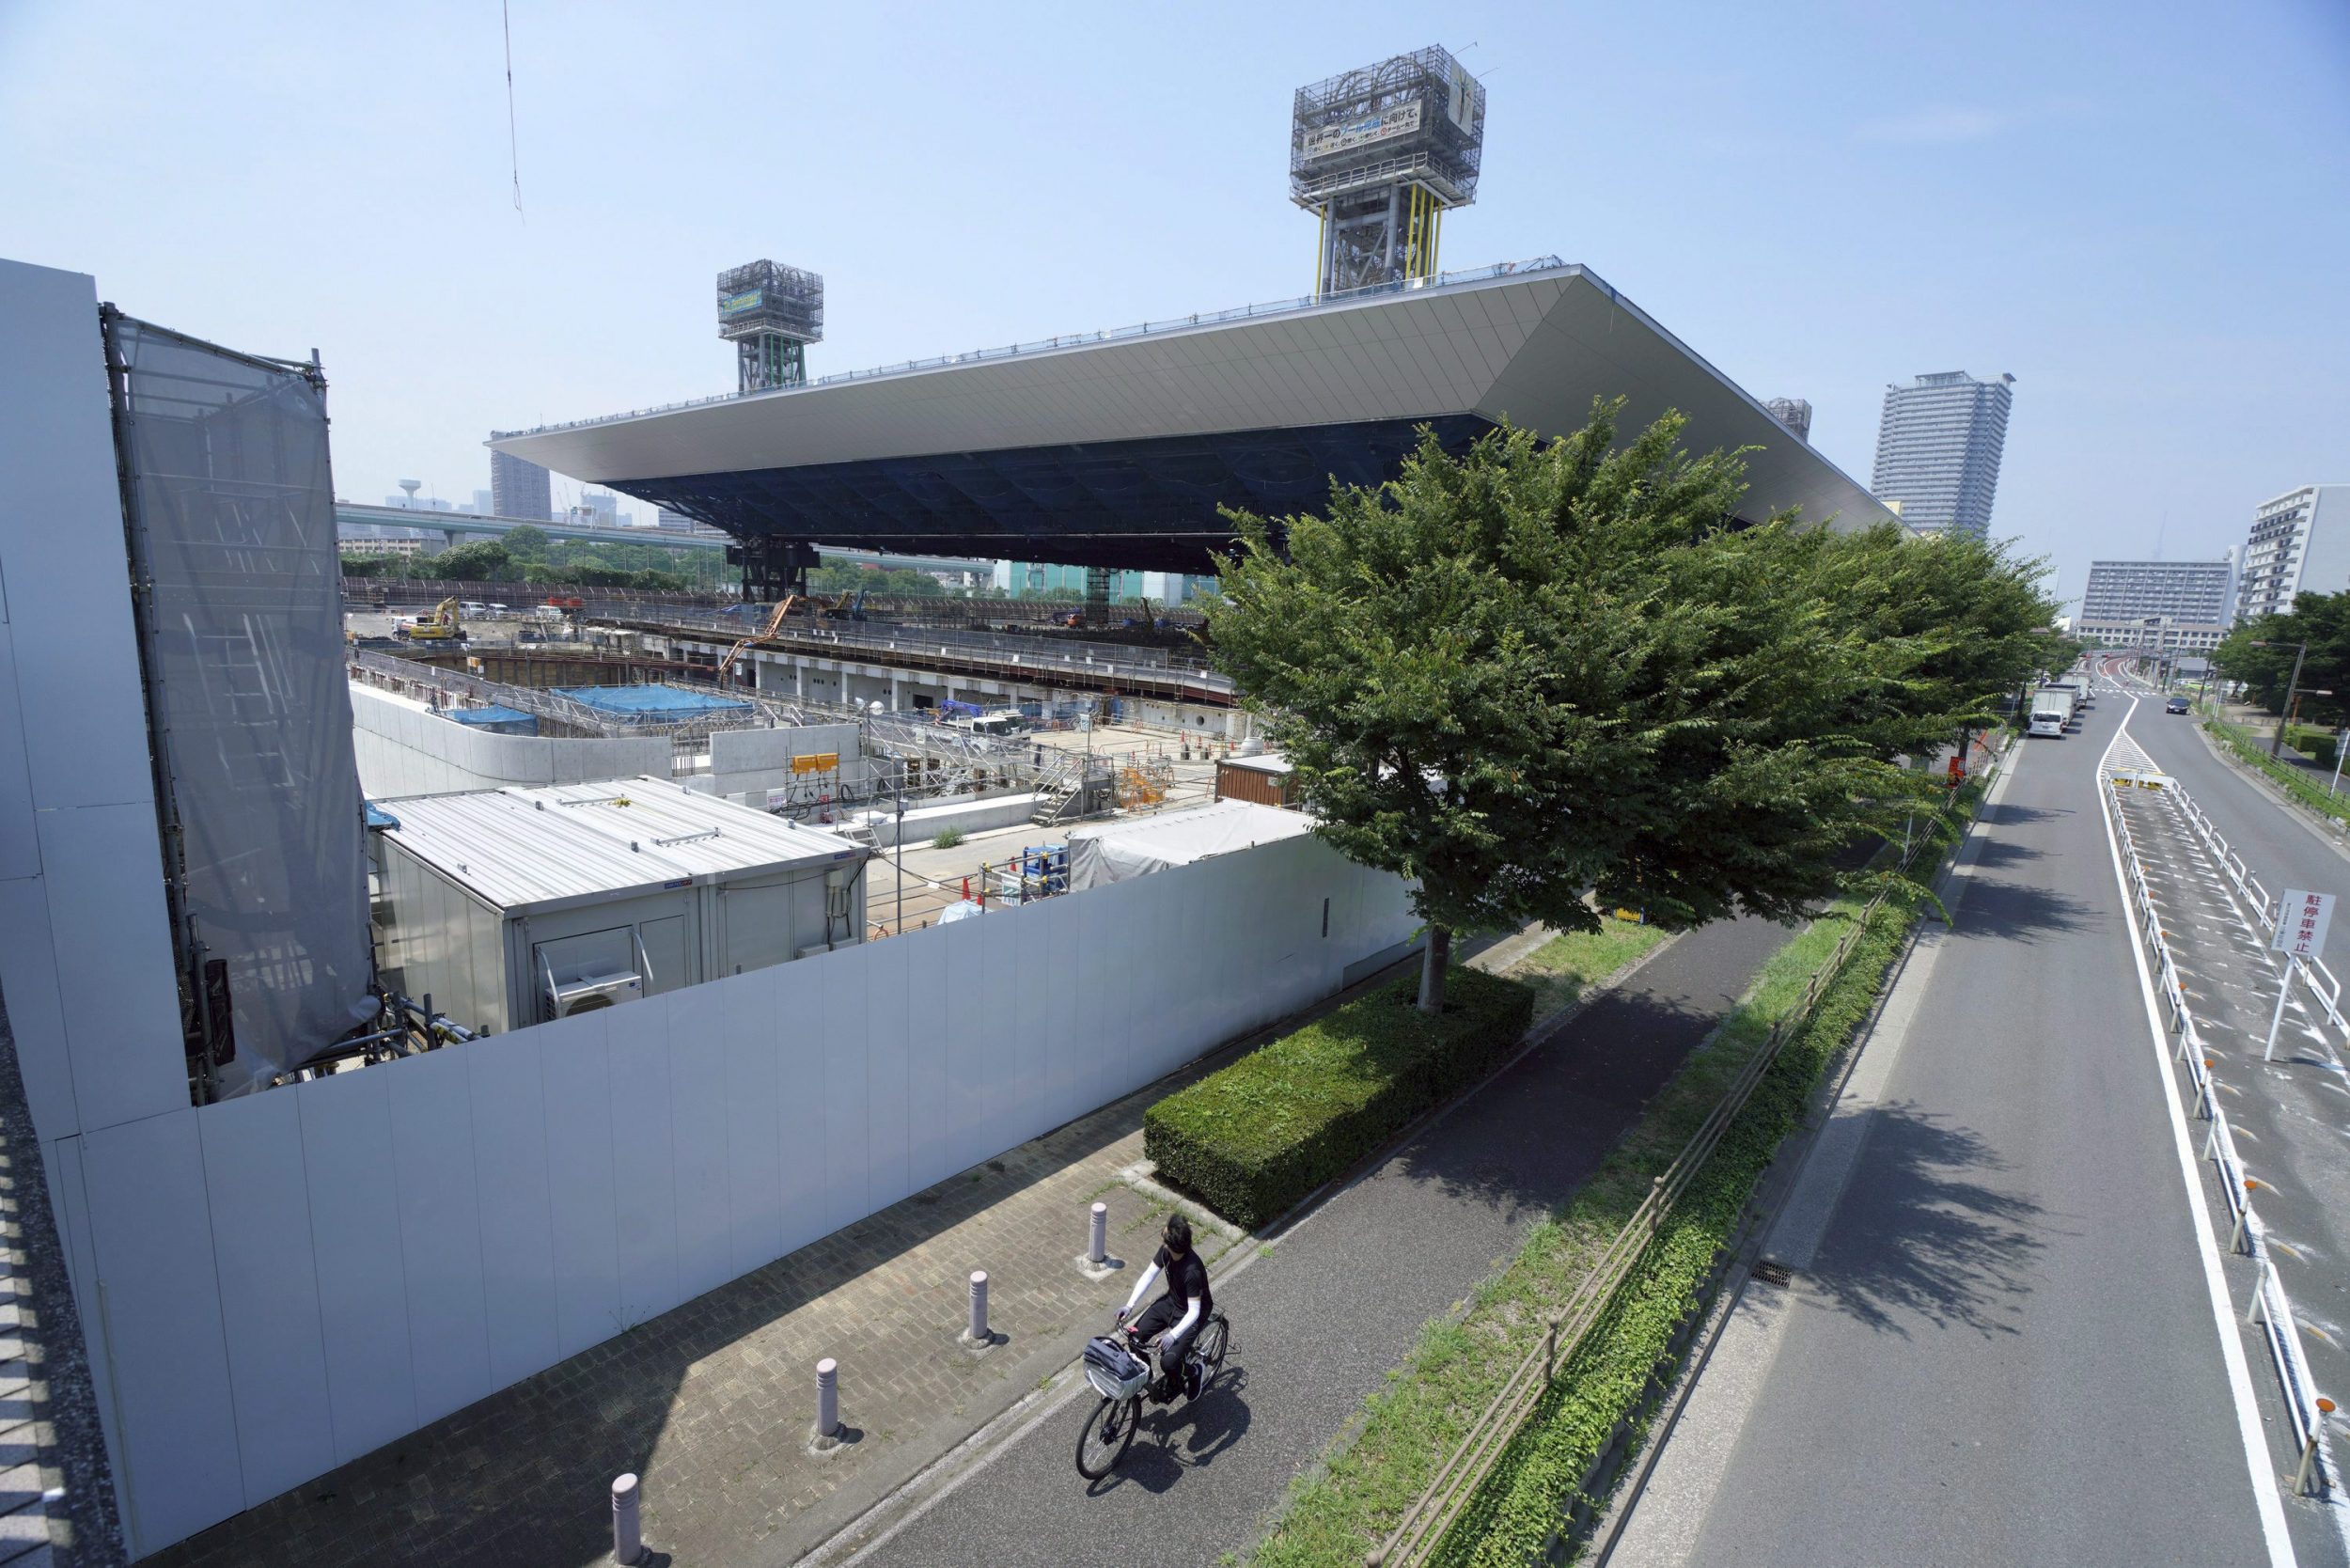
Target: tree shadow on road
{"x":2021,"y":912}
{"x":1926,"y":1239}
{"x":1522,"y":1145}
{"x":1993,"y":855}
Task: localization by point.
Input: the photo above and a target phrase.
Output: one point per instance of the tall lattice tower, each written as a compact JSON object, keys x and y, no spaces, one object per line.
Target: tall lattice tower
{"x":1379,"y":154}
{"x":771,"y":314}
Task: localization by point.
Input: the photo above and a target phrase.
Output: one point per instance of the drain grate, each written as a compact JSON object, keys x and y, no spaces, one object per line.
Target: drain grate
{"x":1772,"y":1273}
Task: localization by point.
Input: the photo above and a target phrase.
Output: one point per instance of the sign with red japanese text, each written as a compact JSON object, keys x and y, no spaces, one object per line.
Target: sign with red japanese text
{"x":2301,"y":931}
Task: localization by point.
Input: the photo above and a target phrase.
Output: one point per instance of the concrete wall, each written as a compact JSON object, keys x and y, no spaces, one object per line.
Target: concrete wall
{"x":273,"y":1285}
{"x":752,"y":761}
{"x":407,"y":749}
{"x":295,"y":1279}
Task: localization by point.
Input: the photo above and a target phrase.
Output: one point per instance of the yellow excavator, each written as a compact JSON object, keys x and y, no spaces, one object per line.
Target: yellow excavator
{"x":443,"y":625}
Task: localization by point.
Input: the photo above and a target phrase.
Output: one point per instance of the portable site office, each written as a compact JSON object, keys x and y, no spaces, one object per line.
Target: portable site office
{"x":510,"y":907}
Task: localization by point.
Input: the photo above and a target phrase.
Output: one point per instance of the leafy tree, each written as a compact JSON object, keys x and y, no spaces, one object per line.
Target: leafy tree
{"x":1956,"y":623}
{"x":526,"y":542}
{"x":1540,"y":670}
{"x":2320,"y":619}
{"x":482,"y":561}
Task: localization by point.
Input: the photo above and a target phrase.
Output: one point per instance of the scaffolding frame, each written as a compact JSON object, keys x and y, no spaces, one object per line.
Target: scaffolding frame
{"x":770,"y":313}
{"x":1378,"y":155}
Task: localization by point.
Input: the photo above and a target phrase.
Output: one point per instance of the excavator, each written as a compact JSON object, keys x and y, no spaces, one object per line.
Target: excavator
{"x":443,"y":625}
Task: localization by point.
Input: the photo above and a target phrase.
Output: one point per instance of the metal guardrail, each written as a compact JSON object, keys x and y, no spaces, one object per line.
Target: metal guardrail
{"x":2271,"y":1310}
{"x":1078,"y":339}
{"x":1423,"y":1525}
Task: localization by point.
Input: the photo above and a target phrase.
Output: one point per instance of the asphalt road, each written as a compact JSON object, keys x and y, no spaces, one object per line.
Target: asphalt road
{"x":1998,"y":1346}
{"x":1342,"y":1297}
{"x":2289,"y":1115}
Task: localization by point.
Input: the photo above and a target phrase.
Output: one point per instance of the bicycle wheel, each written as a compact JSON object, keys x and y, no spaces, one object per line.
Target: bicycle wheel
{"x":1214,"y":1339}
{"x":1109,"y":1427}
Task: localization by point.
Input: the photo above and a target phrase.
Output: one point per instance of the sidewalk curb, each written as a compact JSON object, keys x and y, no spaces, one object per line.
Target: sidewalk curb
{"x":1778,"y":1183}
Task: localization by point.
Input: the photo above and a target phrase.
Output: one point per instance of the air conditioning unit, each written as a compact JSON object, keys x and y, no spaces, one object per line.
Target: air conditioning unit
{"x":590,"y":991}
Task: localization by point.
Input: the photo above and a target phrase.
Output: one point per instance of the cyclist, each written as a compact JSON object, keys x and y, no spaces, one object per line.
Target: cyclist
{"x":1176,"y":1316}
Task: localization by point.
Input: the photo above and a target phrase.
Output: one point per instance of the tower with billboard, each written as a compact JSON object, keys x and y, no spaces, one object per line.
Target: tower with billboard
{"x":771,"y":314}
{"x":1379,"y":155}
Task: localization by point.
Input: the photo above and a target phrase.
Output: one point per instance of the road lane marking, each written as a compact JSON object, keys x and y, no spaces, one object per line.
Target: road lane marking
{"x":2266,"y":1501}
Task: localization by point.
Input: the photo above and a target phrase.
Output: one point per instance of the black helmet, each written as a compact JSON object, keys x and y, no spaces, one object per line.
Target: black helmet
{"x":1179,"y":1233}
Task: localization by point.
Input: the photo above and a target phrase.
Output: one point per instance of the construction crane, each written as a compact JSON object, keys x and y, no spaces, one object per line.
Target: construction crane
{"x":775,"y":624}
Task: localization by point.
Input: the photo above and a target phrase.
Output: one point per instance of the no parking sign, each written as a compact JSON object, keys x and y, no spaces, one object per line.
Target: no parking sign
{"x":2301,"y":926}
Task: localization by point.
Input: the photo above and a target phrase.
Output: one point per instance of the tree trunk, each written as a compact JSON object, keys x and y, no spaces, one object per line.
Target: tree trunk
{"x":1437,"y":954}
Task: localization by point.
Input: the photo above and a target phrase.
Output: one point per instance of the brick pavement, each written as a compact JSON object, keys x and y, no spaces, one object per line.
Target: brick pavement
{"x":713,"y":1404}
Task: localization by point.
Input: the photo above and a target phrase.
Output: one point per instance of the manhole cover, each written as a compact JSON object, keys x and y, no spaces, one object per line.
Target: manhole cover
{"x":1772,"y":1273}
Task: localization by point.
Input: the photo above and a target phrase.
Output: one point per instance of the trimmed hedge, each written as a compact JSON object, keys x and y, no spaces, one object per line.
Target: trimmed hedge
{"x":1254,"y":1137}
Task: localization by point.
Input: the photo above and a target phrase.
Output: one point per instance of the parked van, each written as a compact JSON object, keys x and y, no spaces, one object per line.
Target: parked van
{"x":2048,"y":718}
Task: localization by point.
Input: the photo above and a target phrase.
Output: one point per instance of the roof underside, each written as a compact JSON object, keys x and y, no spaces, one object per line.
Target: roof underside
{"x":1121,"y":451}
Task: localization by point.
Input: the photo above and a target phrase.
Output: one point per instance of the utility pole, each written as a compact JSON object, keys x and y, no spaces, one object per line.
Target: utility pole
{"x":2300,"y":652}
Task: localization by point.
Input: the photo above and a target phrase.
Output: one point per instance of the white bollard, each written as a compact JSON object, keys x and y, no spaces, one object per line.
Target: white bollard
{"x":628,"y":1538}
{"x":1098,"y":1240}
{"x":828,"y":1397}
{"x":979,"y":1307}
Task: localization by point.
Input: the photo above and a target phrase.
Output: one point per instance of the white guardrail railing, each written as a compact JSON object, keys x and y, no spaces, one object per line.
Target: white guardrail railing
{"x":2271,"y":1308}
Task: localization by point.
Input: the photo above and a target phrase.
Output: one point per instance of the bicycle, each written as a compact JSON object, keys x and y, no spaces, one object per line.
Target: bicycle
{"x":1121,"y":1373}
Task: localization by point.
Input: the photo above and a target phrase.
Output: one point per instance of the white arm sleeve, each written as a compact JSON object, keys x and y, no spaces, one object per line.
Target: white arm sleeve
{"x":1191,"y":1315}
{"x":1149,"y":1276}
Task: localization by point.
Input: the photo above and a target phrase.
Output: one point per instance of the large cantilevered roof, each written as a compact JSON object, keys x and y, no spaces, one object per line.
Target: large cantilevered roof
{"x":1117,"y":448}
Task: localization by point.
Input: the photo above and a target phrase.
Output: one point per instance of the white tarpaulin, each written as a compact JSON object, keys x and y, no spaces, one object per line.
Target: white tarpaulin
{"x":1115,"y":851}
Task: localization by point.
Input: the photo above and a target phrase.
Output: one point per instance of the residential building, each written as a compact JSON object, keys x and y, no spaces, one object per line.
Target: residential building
{"x":518,"y":487}
{"x":2192,"y":592}
{"x":1938,"y":448}
{"x":2299,"y":543}
{"x":379,"y":546}
{"x":1794,"y":413}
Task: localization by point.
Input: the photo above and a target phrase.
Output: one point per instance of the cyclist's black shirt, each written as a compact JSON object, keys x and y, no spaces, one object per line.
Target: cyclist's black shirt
{"x":1187,"y":1277}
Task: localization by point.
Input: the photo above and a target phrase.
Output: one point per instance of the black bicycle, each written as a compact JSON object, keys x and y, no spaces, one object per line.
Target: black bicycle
{"x":1121,"y":1375}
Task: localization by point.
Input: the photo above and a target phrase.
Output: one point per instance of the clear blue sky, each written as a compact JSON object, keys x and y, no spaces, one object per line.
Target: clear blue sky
{"x":2142,"y":210}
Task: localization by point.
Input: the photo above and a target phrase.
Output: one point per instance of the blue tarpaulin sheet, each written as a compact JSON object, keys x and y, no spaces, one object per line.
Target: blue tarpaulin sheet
{"x":505,"y":721}
{"x":652,"y":701}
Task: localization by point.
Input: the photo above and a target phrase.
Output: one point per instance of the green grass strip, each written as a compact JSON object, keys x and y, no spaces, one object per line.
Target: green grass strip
{"x":2294,"y":781}
{"x":1337,"y":1514}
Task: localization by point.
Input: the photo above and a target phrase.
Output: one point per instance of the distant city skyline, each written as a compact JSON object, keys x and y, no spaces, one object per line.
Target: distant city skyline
{"x":2088,"y":188}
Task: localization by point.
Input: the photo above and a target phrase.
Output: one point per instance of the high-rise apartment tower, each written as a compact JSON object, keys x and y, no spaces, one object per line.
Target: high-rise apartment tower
{"x":1938,"y":451}
{"x":2299,"y":544}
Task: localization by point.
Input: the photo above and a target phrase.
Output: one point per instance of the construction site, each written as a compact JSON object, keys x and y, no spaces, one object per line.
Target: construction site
{"x":963,"y":758}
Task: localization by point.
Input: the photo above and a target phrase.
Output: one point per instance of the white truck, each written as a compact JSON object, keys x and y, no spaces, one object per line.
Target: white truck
{"x":2082,"y":689}
{"x":2052,"y":711}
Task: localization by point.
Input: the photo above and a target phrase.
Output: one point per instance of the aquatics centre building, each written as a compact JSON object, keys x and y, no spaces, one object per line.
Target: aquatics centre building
{"x":1118,"y":449}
